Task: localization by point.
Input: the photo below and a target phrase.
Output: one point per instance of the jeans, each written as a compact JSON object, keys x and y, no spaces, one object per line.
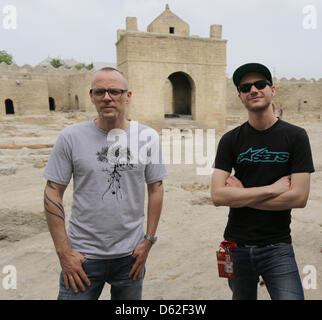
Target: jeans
{"x":115,"y":272}
{"x":274,"y":263}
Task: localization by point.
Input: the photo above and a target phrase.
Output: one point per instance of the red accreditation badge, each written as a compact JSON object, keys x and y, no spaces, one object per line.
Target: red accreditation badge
{"x":225,"y":264}
{"x":225,"y":259}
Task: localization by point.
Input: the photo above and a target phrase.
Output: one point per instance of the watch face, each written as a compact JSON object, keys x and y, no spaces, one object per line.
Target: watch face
{"x":152,"y":239}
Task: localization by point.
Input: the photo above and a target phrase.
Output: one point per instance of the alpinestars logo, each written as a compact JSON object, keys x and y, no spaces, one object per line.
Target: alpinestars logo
{"x":263,"y":155}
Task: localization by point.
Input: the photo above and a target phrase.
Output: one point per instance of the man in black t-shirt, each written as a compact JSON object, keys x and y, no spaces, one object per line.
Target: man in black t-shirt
{"x":272,"y":162}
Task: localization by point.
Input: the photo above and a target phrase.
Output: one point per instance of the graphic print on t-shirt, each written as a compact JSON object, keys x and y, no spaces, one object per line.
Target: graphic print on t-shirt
{"x":262,"y":155}
{"x":117,"y":160}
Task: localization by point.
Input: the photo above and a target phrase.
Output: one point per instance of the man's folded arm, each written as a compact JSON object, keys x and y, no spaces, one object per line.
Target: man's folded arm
{"x":295,"y":197}
{"x":234,"y":197}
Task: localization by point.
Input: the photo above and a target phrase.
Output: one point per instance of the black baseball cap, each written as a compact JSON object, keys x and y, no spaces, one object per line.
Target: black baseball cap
{"x":248,"y":68}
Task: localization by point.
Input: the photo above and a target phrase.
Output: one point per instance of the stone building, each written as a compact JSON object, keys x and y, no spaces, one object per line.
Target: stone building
{"x":26,"y":90}
{"x":172,"y":73}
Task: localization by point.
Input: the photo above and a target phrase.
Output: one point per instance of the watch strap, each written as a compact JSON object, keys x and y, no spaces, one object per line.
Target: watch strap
{"x":151,"y":239}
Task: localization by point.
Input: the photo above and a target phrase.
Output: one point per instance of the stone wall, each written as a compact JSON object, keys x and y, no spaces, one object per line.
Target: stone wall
{"x":30,"y":88}
{"x":79,"y":92}
{"x":27,"y":96}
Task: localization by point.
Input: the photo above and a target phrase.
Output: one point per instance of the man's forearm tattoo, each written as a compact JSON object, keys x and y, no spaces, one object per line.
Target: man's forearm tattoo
{"x":56,"y":204}
{"x":49,"y":184}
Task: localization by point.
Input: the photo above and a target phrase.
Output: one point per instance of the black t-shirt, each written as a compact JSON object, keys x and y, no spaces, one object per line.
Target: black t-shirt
{"x":260,"y":158}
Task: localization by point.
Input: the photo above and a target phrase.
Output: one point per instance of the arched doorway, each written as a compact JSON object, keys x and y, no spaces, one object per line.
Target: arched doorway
{"x":76,"y":102}
{"x":182,"y":87}
{"x":52,"y":105}
{"x":9,"y":106}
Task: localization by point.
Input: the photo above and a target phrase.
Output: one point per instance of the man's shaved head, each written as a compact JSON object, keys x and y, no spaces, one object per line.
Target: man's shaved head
{"x":110,"y":69}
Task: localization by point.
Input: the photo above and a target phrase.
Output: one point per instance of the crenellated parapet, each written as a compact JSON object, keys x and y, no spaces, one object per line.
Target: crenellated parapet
{"x":28,"y":69}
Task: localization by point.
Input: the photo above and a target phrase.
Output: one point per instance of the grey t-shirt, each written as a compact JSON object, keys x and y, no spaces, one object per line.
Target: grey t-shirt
{"x":109,"y":173}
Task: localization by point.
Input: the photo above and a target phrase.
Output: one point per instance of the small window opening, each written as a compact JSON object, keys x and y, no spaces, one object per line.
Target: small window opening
{"x":171,"y":29}
{"x":9,"y":106}
{"x":52,"y":105}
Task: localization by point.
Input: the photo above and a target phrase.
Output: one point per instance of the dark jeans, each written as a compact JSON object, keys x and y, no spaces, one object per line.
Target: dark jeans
{"x":115,"y":272}
{"x":274,"y":263}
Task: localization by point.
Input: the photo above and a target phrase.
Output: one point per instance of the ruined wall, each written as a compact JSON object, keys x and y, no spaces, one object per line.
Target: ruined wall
{"x":30,"y":88}
{"x":23,"y":89}
{"x":58,"y":88}
{"x":79,"y":86}
{"x":24,"y":93}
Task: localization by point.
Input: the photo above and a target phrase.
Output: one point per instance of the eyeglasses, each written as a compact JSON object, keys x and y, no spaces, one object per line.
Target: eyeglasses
{"x":113,"y":93}
{"x":260,"y":85}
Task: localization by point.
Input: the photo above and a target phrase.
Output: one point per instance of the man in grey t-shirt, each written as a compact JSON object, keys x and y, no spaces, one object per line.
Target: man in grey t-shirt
{"x":110,"y":159}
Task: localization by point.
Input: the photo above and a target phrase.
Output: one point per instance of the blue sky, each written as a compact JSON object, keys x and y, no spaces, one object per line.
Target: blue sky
{"x":264,"y":31}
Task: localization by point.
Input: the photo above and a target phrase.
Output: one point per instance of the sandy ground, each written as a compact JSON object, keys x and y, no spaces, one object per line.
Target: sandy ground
{"x":182,"y":265}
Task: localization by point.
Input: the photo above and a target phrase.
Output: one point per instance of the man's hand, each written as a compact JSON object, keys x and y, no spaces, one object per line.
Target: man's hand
{"x":140,"y":253}
{"x":232,"y":181}
{"x":73,"y":273}
{"x":282,"y":185}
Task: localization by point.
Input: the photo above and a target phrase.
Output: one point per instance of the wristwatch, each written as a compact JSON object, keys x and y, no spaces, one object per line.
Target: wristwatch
{"x":151,"y":239}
